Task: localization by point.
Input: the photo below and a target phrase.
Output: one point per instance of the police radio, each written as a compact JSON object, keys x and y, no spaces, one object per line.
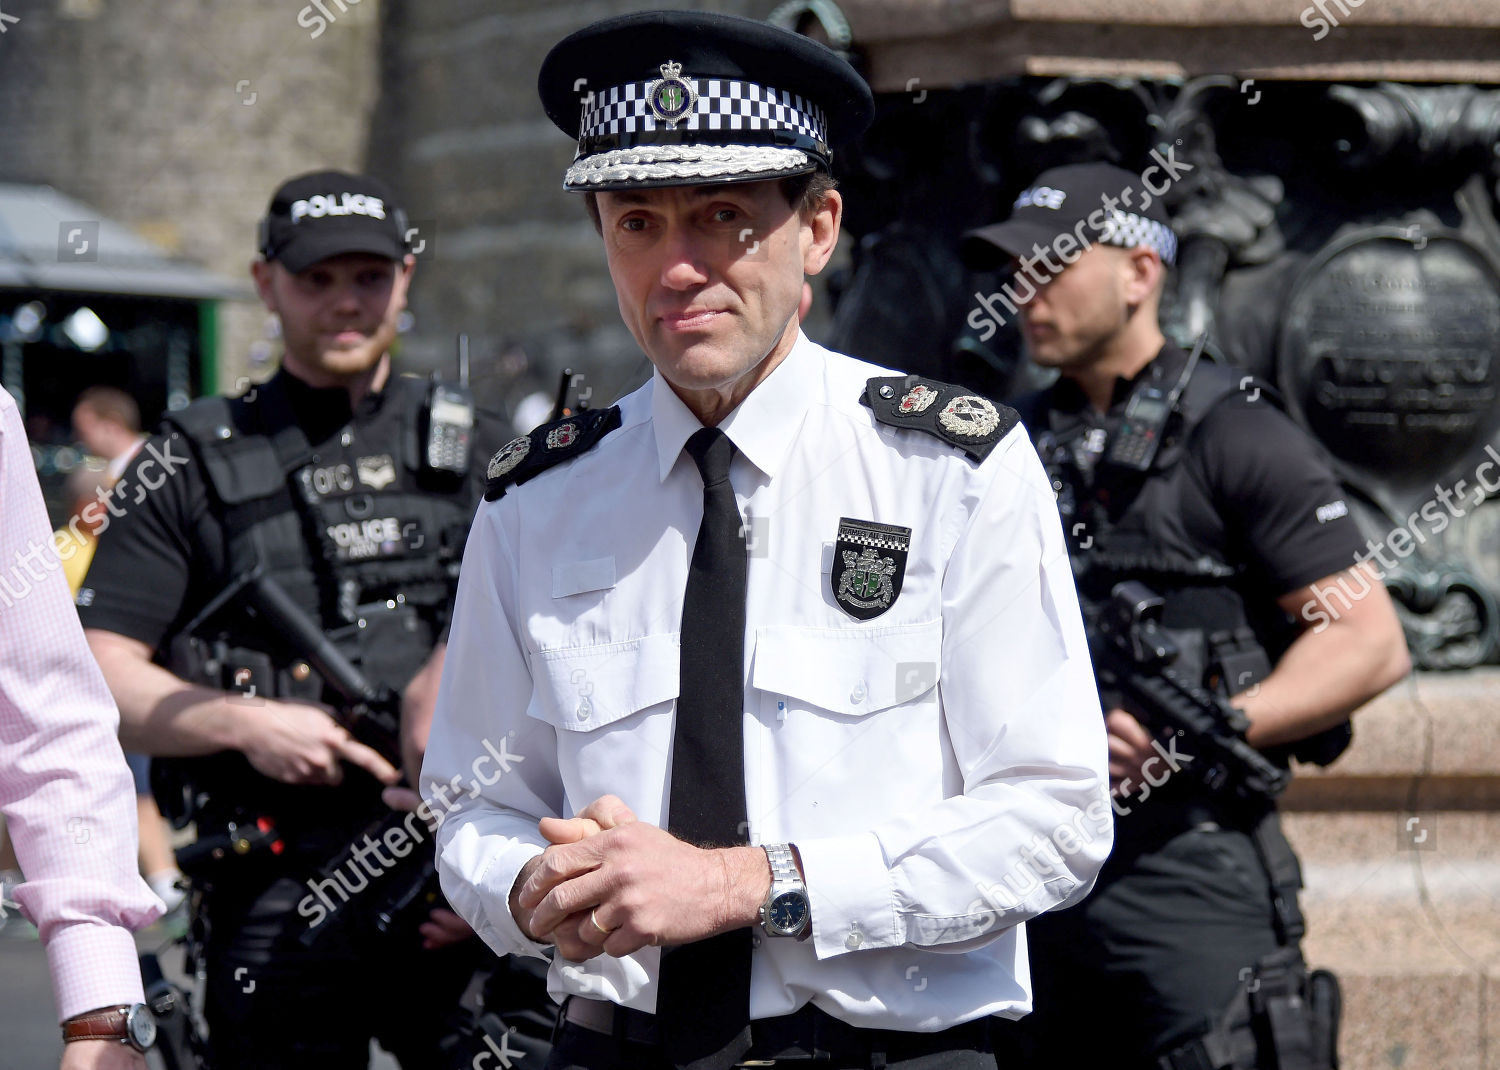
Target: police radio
{"x":450,"y":419}
{"x":1134,"y":444}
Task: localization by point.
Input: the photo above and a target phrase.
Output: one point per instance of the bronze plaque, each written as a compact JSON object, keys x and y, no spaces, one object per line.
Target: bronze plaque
{"x":1387,"y":353}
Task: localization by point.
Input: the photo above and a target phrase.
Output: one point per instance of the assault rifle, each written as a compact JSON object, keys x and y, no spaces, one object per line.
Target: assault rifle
{"x":371,"y":712}
{"x":1134,"y":659}
{"x":400,"y":895}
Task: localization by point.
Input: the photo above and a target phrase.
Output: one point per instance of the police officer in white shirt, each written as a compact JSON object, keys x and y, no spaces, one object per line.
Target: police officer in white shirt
{"x":767,"y":702}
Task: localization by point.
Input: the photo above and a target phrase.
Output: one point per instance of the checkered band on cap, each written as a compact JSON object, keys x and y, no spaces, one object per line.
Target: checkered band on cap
{"x":1129,"y":230}
{"x":616,"y":117}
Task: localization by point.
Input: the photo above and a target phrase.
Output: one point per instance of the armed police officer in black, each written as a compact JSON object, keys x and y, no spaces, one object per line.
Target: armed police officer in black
{"x":1202,"y":522}
{"x":277,"y":568}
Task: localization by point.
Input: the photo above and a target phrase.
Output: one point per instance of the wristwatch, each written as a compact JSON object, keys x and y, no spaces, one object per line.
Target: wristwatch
{"x":786,"y":911}
{"x":133,"y":1025}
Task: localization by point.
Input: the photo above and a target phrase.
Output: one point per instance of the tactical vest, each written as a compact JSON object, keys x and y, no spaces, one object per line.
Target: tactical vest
{"x":1127,"y":525}
{"x":362,"y":537}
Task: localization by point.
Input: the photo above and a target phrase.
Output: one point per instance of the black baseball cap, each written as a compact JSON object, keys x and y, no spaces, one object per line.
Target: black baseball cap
{"x":328,"y":213}
{"x":1094,"y":202}
{"x":686,"y":98}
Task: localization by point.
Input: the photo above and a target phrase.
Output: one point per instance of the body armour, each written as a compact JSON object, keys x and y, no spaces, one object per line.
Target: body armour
{"x":1161,"y":526}
{"x":364,"y":539}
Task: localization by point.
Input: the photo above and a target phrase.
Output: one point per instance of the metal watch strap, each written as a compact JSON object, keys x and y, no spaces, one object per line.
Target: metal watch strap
{"x":783,"y":865}
{"x":107,"y":1023}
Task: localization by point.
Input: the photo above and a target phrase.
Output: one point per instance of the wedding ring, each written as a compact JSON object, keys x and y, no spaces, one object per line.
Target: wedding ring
{"x":595,"y":922}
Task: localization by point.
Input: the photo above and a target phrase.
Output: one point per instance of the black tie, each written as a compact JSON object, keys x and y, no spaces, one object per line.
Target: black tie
{"x":703,"y":1002}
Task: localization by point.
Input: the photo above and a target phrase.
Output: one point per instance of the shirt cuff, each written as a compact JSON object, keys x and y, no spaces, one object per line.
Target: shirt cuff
{"x":852,"y":895}
{"x":484,"y":901}
{"x":93,"y":966}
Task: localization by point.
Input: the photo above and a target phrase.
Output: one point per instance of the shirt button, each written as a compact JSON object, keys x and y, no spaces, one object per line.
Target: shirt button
{"x":858,"y":694}
{"x":853,"y":940}
{"x":585,"y":708}
{"x":346,"y":438}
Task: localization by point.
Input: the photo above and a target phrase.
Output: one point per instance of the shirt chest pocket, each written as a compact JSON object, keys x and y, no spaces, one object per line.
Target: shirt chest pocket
{"x":850,"y":671}
{"x":582,"y":689}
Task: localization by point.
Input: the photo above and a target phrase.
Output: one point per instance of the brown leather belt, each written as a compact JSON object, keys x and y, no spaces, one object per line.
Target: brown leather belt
{"x":809,"y":1033}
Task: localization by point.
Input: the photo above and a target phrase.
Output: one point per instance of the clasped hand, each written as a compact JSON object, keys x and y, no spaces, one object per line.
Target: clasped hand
{"x":612,"y":884}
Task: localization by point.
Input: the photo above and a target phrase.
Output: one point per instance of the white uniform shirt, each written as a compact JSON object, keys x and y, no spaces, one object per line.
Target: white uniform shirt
{"x":916,"y":759}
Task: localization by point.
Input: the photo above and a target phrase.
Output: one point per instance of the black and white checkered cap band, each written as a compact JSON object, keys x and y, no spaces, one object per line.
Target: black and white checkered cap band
{"x":616,"y":118}
{"x":1129,"y":230}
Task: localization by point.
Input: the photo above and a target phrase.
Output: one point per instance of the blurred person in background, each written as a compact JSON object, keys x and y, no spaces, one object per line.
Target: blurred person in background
{"x":1171,"y":473}
{"x":64,"y":788}
{"x":344,"y":490}
{"x":108,"y":423}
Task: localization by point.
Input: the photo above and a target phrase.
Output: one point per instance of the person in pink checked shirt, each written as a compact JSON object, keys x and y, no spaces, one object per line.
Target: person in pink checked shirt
{"x":64,"y":786}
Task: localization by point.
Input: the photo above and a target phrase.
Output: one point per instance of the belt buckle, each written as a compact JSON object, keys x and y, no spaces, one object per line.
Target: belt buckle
{"x":756,"y":1062}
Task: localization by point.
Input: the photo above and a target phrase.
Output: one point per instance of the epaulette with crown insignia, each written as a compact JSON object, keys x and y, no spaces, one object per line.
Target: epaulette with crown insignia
{"x":530,"y":455}
{"x":954,"y":414}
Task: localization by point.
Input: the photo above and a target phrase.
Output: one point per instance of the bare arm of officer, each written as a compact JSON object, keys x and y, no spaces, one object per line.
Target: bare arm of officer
{"x":163,"y":715}
{"x":1350,"y":650}
{"x":418,"y":701}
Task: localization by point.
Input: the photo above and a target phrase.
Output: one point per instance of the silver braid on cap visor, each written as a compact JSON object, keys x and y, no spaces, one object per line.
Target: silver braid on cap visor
{"x":661,"y":163}
{"x":717,"y":128}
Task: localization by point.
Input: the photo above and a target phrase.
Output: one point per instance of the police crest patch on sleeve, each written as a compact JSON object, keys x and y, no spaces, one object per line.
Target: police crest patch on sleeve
{"x":956,"y":415}
{"x":530,"y":455}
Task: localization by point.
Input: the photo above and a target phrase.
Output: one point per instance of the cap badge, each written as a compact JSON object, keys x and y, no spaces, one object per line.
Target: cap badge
{"x":671,"y":98}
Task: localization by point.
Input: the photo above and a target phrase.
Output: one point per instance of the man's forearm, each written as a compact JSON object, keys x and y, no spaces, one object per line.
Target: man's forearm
{"x":161,"y":714}
{"x":1321,"y":679}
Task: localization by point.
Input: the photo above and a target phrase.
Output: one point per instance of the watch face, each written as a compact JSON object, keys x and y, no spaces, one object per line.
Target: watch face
{"x":788,"y":913}
{"x":140,"y":1026}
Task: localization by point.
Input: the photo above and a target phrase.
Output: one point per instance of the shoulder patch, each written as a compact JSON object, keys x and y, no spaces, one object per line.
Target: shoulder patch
{"x":530,"y":455}
{"x":956,"y":415}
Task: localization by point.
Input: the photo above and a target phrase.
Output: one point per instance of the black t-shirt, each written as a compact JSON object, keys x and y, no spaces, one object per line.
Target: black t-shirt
{"x":161,"y":557}
{"x":1249,"y":489}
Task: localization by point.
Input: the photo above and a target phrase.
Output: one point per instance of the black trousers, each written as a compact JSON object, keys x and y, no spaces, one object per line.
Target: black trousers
{"x":274,"y":1004}
{"x":1149,"y":959}
{"x":964,"y":1047}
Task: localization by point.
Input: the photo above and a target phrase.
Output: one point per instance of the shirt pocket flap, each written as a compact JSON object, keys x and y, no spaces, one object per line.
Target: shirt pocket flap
{"x":851,"y":671}
{"x":579,"y":577}
{"x":580,"y":689}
